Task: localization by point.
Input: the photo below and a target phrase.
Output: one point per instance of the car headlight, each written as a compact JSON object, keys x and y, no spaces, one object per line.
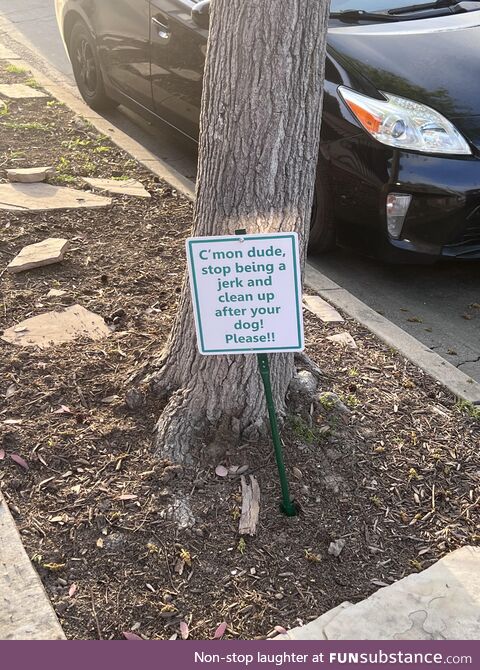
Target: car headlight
{"x":405,"y":124}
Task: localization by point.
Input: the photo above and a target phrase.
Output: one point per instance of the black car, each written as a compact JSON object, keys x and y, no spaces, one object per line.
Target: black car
{"x":399,"y":163}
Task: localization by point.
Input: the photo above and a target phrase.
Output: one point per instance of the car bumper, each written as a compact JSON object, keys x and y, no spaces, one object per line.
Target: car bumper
{"x":443,"y":219}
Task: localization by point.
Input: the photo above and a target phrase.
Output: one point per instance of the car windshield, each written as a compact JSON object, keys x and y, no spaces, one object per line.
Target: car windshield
{"x":375,"y":5}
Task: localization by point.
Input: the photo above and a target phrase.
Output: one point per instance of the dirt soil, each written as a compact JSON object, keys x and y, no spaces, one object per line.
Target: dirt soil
{"x":393,"y":469}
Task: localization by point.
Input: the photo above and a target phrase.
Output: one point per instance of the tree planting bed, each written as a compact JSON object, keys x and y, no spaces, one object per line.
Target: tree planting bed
{"x":393,"y":470}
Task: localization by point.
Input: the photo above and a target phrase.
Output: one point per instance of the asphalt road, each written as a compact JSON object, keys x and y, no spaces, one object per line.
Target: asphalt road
{"x":440,"y":304}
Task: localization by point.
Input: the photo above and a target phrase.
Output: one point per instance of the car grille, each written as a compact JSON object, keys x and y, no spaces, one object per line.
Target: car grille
{"x":471,"y":233}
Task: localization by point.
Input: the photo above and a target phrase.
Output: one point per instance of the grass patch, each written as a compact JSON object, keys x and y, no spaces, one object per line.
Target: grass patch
{"x":468,"y":408}
{"x":29,"y":125}
{"x":303,"y":431}
{"x":33,"y":83}
{"x":15,"y":69}
{"x":55,"y":103}
{"x":62,"y":171}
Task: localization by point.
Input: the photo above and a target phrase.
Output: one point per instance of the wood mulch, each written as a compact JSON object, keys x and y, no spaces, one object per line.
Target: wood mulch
{"x":393,"y":470}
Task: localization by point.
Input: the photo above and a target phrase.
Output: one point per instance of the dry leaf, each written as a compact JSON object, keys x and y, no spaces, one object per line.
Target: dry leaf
{"x":54,"y":567}
{"x":19,"y":461}
{"x":10,"y":391}
{"x":184,"y":630}
{"x":2,"y":454}
{"x":63,"y":409}
{"x":297,"y":473}
{"x":72,"y":590}
{"x":110,"y":399}
{"x":220,"y":632}
{"x":280,"y":629}
{"x":179,"y":566}
{"x":131,"y":636}
{"x":221,"y":471}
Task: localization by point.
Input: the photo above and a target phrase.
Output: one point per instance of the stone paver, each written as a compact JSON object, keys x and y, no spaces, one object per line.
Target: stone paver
{"x":312,"y":630}
{"x":53,"y":328}
{"x":322,"y":309}
{"x":20,"y":91}
{"x":130,"y":187}
{"x":343,"y":338}
{"x":25,"y":610}
{"x":44,"y":197}
{"x":55,"y":293}
{"x":37,"y":255}
{"x":7,"y":54}
{"x":29,"y":175}
{"x":440,"y":603}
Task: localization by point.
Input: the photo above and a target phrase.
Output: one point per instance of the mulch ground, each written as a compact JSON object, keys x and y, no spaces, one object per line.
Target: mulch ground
{"x":393,"y":471}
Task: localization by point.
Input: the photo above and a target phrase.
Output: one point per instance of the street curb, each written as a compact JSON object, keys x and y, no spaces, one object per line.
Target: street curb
{"x":461,"y":385}
{"x":456,"y":381}
{"x":26,"y":612}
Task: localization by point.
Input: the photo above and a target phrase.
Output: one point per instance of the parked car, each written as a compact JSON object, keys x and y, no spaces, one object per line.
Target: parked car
{"x":399,"y":163}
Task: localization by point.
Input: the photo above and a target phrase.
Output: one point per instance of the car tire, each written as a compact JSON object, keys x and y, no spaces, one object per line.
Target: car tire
{"x":322,"y":226}
{"x":86,"y":68}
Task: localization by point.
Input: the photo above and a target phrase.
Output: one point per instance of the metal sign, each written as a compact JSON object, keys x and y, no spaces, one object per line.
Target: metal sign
{"x":246,"y":293}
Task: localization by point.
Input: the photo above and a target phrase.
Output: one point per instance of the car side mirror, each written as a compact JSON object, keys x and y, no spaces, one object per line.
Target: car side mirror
{"x":201,"y":14}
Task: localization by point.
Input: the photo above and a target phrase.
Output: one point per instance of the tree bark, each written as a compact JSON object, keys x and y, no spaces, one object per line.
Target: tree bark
{"x":259,"y":138}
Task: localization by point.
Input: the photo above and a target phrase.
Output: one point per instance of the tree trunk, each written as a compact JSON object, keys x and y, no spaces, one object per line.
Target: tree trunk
{"x":259,"y":137}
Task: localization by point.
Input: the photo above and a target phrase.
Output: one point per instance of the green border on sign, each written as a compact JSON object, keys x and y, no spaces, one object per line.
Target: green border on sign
{"x":232,"y":238}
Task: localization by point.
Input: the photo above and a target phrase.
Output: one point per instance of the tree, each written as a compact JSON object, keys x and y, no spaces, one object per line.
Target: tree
{"x":259,"y":138}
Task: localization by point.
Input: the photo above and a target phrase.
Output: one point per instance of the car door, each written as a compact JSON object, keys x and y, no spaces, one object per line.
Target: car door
{"x":177,"y":63}
{"x":123,"y":38}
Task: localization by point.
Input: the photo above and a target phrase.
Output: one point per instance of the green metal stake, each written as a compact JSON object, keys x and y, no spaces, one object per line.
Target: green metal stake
{"x":287,"y":506}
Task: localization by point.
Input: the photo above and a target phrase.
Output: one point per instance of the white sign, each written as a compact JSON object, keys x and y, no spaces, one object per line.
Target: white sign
{"x":246,"y":293}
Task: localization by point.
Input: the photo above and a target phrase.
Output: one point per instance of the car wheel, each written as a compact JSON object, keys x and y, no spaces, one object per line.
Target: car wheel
{"x":86,"y":68}
{"x":322,"y":227}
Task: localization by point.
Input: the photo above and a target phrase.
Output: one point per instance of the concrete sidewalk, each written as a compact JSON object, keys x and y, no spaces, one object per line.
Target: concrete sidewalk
{"x":25,"y":609}
{"x":440,"y":603}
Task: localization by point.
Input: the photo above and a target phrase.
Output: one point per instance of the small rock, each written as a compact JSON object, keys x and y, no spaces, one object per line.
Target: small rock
{"x":55,"y":293}
{"x":333,"y":454}
{"x":279,"y":596}
{"x":180,"y":512}
{"x":334,"y":483}
{"x":330,"y":401}
{"x":47,"y":252}
{"x":336,"y":547}
{"x":114,"y":542}
{"x":30,"y":175}
{"x":134,"y":399}
{"x":303,"y":382}
{"x":130,"y":187}
{"x":343,"y":338}
{"x":322,"y":309}
{"x":61,"y":607}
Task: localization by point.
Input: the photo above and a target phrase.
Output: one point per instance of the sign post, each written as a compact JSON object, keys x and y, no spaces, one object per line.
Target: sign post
{"x":246,"y":295}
